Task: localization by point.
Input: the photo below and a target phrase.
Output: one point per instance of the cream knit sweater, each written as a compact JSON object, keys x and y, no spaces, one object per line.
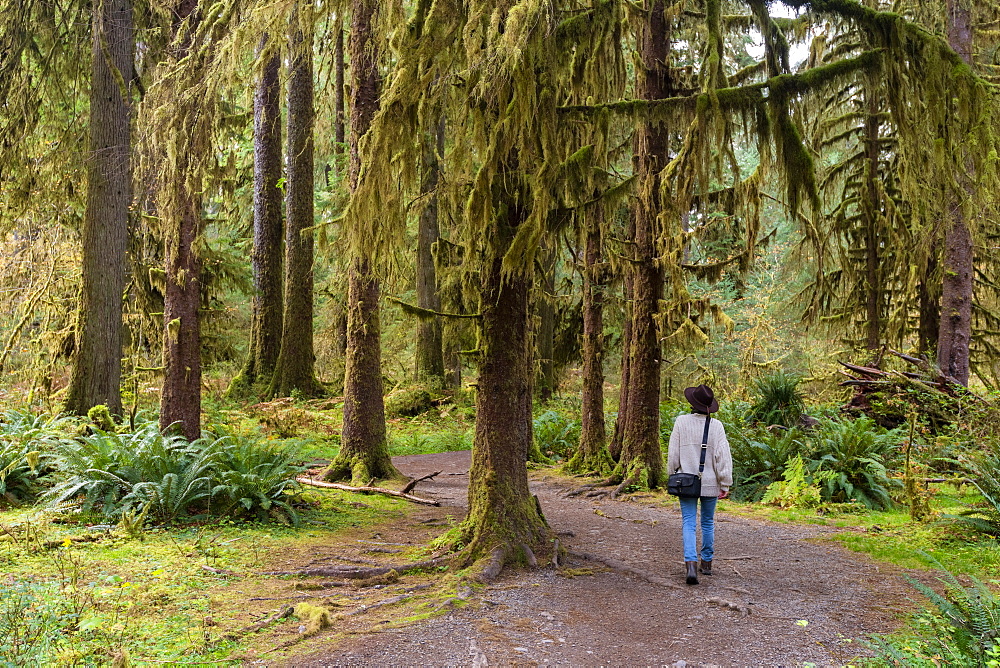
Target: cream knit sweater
{"x":685,"y":451}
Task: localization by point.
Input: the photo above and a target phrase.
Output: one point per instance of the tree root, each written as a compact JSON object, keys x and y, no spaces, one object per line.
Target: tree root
{"x":722,"y":603}
{"x":285,"y":611}
{"x":413,"y":483}
{"x":495,"y":566}
{"x":622,"y":567}
{"x":360,"y":573}
{"x":367,"y":489}
{"x":631,"y":480}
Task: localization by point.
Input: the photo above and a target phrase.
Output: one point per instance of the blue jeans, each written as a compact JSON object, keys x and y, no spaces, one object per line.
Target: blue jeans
{"x":689,"y":516}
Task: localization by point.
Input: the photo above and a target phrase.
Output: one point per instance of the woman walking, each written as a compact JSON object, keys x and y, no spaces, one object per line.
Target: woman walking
{"x":689,"y":433}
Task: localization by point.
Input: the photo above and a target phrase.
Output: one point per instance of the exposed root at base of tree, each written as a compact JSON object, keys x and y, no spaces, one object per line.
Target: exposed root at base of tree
{"x":622,"y":567}
{"x":413,"y":483}
{"x":367,"y":489}
{"x":626,"y":483}
{"x":361,"y":573}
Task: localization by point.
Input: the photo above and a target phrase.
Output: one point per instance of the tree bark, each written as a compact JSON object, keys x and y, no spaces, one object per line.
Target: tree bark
{"x":641,"y":458}
{"x":955,"y":332}
{"x":97,"y":367}
{"x":266,"y":306}
{"x":430,"y":359}
{"x":180,"y":397}
{"x":873,"y":279}
{"x":546,"y":318}
{"x":502,"y":511}
{"x":929,"y":316}
{"x":364,"y":451}
{"x":295,"y":368}
{"x":628,"y":294}
{"x":592,"y":454}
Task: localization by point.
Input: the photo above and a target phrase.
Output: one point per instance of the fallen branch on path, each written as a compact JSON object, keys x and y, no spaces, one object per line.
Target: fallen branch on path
{"x":413,"y":483}
{"x":359,"y":573}
{"x":367,"y":489}
{"x":285,"y":611}
{"x":722,"y":603}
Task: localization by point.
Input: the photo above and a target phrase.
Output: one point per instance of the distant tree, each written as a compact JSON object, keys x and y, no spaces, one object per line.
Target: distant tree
{"x":295,"y":368}
{"x":97,"y":367}
{"x":430,"y":352}
{"x":266,"y":306}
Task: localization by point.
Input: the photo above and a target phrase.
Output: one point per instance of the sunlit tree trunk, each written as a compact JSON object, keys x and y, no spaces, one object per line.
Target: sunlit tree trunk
{"x":266,"y":256}
{"x":364,"y":451}
{"x":97,"y":367}
{"x":180,"y":398}
{"x":955,"y":333}
{"x":641,"y":460}
{"x":295,"y":368}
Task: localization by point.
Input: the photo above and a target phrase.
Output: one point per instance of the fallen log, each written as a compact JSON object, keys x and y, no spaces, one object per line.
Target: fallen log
{"x":367,"y":489}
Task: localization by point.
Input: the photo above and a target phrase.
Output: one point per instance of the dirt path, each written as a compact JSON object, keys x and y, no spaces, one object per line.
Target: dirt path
{"x":777,"y":598}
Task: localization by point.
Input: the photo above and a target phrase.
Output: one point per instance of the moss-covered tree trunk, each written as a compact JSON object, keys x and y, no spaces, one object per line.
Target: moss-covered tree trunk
{"x":430,"y":358}
{"x":266,"y":306}
{"x":295,"y":368}
{"x":364,"y":451}
{"x":503,"y":517}
{"x":546,"y":319}
{"x":872,"y":213}
{"x":641,"y":460}
{"x":97,"y":367}
{"x":592,"y":453}
{"x":955,"y":333}
{"x":180,"y":397}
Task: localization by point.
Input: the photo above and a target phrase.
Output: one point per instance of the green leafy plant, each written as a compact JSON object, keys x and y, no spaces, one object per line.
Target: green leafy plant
{"x":984,"y":470}
{"x":18,"y":473}
{"x":960,"y":628}
{"x":555,"y":434}
{"x":760,"y":459}
{"x":779,"y":400}
{"x":798,"y":488}
{"x":855,"y":452}
{"x":254,"y":479}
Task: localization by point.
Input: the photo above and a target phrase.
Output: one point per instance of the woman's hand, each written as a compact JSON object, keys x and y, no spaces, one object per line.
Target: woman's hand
{"x":724,"y":494}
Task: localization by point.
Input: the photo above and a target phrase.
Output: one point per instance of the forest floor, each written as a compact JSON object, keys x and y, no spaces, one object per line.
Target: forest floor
{"x":781,"y":595}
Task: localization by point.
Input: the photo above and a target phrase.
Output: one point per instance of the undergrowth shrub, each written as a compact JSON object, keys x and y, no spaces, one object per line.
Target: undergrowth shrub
{"x":167,"y":478}
{"x":856,"y":454}
{"x":556,"y":435}
{"x":798,"y":488}
{"x":18,"y":473}
{"x":779,"y":401}
{"x":984,"y":517}
{"x":760,"y":458}
{"x":959,"y":628}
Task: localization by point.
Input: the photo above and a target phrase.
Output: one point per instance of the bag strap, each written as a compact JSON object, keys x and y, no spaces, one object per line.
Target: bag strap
{"x":704,"y":444}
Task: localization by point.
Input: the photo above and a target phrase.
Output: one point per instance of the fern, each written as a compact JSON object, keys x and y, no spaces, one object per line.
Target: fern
{"x":779,"y":401}
{"x":762,"y":460}
{"x":856,"y":452}
{"x":984,"y":469}
{"x":961,"y":627}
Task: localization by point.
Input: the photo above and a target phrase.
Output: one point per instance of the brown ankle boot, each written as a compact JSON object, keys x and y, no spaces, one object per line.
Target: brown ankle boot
{"x":692,"y":572}
{"x":706,"y":567}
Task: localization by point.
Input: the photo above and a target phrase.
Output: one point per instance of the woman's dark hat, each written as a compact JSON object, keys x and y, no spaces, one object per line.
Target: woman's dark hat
{"x":702,"y":399}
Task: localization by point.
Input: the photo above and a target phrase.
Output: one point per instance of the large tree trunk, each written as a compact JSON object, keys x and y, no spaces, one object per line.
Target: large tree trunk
{"x":364,"y":451}
{"x":97,"y":367}
{"x":503,"y":515}
{"x":955,"y":333}
{"x":180,"y":398}
{"x":430,"y":359}
{"x":641,"y":460}
{"x":295,"y":369}
{"x":545,"y":337}
{"x":266,"y":257}
{"x":592,"y":454}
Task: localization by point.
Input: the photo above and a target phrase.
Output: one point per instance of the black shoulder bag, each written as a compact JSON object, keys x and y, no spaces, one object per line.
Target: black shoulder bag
{"x":688,"y":485}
